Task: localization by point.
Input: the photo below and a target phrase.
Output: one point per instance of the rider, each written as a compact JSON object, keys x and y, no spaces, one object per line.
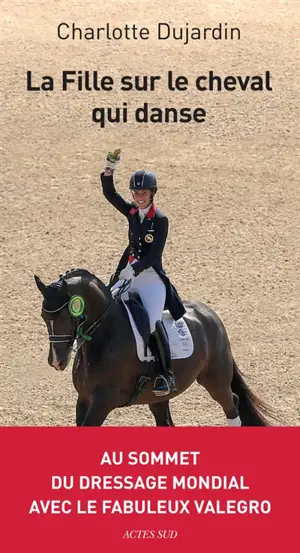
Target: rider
{"x":141,"y":262}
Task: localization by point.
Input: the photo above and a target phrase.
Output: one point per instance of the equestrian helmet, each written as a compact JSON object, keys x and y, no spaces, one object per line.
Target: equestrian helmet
{"x":143,"y":180}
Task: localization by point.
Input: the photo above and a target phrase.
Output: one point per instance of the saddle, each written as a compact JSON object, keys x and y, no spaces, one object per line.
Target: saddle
{"x":178,"y":332}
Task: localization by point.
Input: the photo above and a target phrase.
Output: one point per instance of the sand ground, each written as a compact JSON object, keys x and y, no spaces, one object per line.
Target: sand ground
{"x":230,"y":187}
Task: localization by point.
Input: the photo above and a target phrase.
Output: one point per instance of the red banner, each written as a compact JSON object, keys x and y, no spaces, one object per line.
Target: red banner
{"x":207,"y":489}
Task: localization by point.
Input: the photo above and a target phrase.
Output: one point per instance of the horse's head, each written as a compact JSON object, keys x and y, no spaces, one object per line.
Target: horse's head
{"x":60,"y":324}
{"x":76,"y":297}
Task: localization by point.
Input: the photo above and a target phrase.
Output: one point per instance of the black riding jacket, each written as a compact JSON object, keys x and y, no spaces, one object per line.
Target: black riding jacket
{"x":147,"y":239}
{"x":146,"y":242}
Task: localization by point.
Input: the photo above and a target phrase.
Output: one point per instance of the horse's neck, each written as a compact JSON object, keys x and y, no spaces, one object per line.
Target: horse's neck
{"x":96,"y":298}
{"x":98,"y":301}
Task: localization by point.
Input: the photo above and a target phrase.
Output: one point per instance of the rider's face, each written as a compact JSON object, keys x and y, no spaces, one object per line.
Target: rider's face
{"x":142,"y":198}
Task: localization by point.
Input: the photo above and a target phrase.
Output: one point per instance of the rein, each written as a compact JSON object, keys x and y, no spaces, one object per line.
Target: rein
{"x":87,"y":336}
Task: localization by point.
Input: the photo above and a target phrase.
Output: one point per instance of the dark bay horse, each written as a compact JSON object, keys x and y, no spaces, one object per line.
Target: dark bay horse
{"x":106,"y":367}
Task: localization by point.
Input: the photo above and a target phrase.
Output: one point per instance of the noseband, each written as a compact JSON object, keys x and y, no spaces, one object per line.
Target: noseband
{"x":59,"y":338}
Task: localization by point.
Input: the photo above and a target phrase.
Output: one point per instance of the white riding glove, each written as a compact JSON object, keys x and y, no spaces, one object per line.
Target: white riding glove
{"x":127,"y":273}
{"x":112,"y":159}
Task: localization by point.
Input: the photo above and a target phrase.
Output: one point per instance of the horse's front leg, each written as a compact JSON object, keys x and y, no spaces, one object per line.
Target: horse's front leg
{"x":82,"y":406}
{"x":98,"y":410}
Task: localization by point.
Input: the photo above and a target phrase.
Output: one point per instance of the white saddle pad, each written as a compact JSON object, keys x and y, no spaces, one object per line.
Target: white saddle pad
{"x":180,"y":338}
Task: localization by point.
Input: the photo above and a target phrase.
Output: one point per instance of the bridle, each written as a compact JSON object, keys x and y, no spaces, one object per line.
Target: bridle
{"x":78,"y":332}
{"x":59,"y":338}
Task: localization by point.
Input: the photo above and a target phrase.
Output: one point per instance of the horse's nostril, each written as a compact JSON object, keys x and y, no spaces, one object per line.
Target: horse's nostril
{"x":58,"y":365}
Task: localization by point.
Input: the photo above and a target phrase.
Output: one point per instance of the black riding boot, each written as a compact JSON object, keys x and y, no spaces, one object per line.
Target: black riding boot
{"x":164,"y":383}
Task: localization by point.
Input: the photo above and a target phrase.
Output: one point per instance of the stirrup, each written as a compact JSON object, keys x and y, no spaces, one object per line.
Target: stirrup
{"x":166,"y":387}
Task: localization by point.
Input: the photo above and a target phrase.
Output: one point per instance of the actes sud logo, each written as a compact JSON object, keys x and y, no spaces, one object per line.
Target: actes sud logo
{"x":150,"y":534}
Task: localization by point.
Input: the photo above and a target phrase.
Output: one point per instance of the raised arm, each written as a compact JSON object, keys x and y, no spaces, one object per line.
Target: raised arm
{"x":112,"y":195}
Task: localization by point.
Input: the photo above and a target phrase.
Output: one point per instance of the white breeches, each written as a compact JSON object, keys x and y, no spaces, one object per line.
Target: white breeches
{"x":152,"y":292}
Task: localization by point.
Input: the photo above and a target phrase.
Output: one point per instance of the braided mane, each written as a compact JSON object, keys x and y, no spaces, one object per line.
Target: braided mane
{"x":81,"y":273}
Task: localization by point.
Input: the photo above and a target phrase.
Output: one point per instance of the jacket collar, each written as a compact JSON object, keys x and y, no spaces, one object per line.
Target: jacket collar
{"x":150,"y":213}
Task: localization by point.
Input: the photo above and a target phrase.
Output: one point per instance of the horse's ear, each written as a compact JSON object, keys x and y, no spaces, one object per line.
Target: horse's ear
{"x":41,"y":286}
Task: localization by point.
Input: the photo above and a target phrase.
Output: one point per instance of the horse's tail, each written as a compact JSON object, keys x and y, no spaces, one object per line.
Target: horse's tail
{"x":252,"y":410}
